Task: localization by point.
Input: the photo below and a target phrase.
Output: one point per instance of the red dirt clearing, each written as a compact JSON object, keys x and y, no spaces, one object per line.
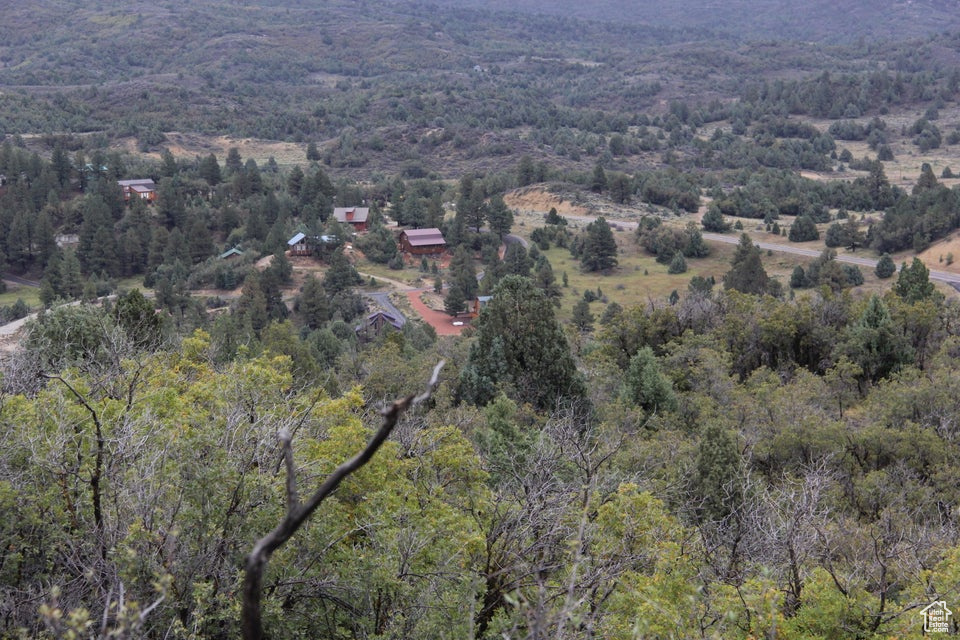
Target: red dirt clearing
{"x":441,"y":322}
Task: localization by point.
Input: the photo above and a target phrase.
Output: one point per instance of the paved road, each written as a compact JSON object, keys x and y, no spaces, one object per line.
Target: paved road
{"x":19,"y":280}
{"x":942,"y":276}
{"x":512,"y":239}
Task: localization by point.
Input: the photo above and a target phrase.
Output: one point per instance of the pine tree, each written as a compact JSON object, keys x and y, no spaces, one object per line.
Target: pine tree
{"x":646,"y":386}
{"x":499,"y":216}
{"x":455,"y":301}
{"x":599,"y":251}
{"x":520,"y":347}
{"x":464,"y":273}
{"x":233,"y":163}
{"x":717,"y":476}
{"x":312,"y":303}
{"x":886,"y":267}
{"x":747,"y":274}
{"x":678,"y":264}
{"x":209,"y":170}
{"x":582,"y":317}
{"x":714,"y":221}
{"x":598,"y":183}
{"x":913,"y":283}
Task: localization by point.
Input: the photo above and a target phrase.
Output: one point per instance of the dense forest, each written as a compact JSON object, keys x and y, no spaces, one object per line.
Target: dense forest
{"x":643,"y":432}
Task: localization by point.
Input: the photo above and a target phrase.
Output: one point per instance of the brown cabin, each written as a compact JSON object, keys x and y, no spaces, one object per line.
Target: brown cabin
{"x":422,"y":242}
{"x":144,"y":188}
{"x":356,"y":217}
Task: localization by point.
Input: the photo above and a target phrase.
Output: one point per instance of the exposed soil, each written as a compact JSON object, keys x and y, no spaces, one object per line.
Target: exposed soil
{"x":191,"y":145}
{"x":441,"y":322}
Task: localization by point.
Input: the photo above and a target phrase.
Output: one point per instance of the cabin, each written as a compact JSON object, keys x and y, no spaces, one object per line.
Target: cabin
{"x":143,"y":188}
{"x":304,"y":245}
{"x":422,"y":242}
{"x":299,"y":246}
{"x":235,"y":252}
{"x":356,"y":217}
{"x":376,"y":323}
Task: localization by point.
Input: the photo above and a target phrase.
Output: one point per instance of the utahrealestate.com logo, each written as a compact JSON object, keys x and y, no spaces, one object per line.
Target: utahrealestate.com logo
{"x":936,"y":617}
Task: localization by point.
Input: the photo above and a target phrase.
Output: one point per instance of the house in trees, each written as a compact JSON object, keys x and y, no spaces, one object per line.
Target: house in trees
{"x":299,"y":246}
{"x":356,"y":217}
{"x":377,"y":322}
{"x":143,"y":188}
{"x":235,"y":252}
{"x":304,"y":245}
{"x":422,"y":242}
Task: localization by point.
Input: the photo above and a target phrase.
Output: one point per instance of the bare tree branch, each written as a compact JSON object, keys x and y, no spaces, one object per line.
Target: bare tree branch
{"x":298,"y":513}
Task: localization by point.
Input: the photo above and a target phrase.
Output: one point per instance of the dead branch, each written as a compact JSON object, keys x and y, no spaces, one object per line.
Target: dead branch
{"x":298,"y":513}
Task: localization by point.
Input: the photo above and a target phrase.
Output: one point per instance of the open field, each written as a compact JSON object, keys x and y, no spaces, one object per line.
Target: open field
{"x":30,"y":295}
{"x":187,"y":146}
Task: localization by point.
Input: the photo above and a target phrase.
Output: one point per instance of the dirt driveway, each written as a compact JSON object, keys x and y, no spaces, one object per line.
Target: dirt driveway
{"x":441,"y":322}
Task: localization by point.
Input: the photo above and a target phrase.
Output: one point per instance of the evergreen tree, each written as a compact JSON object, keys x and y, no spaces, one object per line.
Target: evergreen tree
{"x":137,"y":317}
{"x":168,"y":164}
{"x":926,"y":181}
{"x":521,"y":348}
{"x":582,"y":317}
{"x":803,"y":229}
{"x":455,"y":301}
{"x":678,"y":264}
{"x":598,"y":183}
{"x":171,"y":204}
{"x":555,"y":218}
{"x":914,"y":284}
{"x":71,"y":276}
{"x":875,"y":343}
{"x":199,"y":241}
{"x":516,"y":261}
{"x":233,"y":163}
{"x":798,"y":279}
{"x":312,"y":303}
{"x":341,"y":275}
{"x":716,"y":478}
{"x":463,"y":272}
{"x":252,"y":305}
{"x":886,"y":267}
{"x":209,"y":170}
{"x":547,"y":282}
{"x":599,"y":251}
{"x":646,"y":386}
{"x":526,"y":172}
{"x":295,"y":181}
{"x":61,"y":167}
{"x":499,"y":216}
{"x":747,"y":274}
{"x":714,"y":221}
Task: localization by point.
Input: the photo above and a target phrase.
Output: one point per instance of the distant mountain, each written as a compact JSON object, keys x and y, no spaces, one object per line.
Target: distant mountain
{"x":805,"y":20}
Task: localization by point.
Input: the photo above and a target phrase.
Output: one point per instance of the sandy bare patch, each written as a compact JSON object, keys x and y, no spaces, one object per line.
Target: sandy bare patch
{"x":538,"y":200}
{"x":190,"y":145}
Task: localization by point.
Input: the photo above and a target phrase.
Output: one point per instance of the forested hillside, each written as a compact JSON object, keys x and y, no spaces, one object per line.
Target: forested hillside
{"x":646,"y":426}
{"x":818,"y":20}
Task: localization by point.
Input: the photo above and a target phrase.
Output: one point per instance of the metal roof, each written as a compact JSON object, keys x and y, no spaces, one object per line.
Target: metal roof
{"x":351,"y":214}
{"x":424,"y":237}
